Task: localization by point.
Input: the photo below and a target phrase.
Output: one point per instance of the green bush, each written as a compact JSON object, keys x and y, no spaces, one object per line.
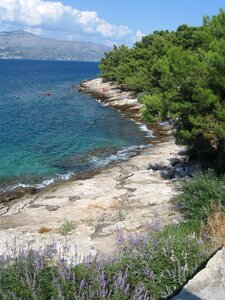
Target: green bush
{"x":66,"y":227}
{"x":199,"y":195}
{"x":153,"y":107}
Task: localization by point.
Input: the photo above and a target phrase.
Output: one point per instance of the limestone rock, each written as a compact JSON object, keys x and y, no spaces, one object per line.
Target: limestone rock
{"x":209,"y":284}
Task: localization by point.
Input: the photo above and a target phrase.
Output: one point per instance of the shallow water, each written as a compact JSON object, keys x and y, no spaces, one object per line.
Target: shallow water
{"x":47,"y":138}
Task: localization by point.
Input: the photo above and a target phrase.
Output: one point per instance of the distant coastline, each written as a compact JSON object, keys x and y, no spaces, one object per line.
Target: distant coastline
{"x":20,"y":45}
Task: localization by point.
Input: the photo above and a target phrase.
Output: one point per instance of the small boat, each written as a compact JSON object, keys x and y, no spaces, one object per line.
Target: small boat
{"x":47,"y":93}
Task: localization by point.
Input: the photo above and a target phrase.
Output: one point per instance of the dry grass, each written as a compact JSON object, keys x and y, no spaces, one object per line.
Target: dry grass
{"x":91,"y":206}
{"x":44,"y":229}
{"x":216,"y":226}
{"x":115,"y":205}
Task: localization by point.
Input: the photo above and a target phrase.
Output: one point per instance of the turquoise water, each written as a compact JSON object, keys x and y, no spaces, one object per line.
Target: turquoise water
{"x":48,"y":138}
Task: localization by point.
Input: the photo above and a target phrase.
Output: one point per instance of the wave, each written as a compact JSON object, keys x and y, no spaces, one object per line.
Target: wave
{"x":143,"y":127}
{"x":121,"y":155}
{"x":46,"y":182}
{"x":94,"y":162}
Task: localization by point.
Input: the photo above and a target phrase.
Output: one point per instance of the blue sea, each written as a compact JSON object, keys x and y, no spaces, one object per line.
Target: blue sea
{"x":43,"y":138}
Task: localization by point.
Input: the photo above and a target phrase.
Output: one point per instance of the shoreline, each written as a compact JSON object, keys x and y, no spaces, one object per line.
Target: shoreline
{"x":112,"y":95}
{"x":123,"y":101}
{"x":124,"y":195}
{"x":20,"y":190}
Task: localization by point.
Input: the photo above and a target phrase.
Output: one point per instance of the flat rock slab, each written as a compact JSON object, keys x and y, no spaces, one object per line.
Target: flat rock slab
{"x":209,"y":284}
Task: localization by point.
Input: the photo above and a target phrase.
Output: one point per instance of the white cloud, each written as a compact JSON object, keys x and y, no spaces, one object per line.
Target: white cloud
{"x":137,"y":37}
{"x":40,"y":16}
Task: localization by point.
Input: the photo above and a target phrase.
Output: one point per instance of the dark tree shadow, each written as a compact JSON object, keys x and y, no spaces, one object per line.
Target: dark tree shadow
{"x":186,"y":295}
{"x":177,"y":168}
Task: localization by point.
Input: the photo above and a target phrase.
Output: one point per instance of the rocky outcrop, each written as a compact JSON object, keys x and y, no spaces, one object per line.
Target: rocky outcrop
{"x":209,"y":284}
{"x":113,"y":95}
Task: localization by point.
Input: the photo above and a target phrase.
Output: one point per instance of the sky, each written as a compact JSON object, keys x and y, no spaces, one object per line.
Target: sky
{"x":104,"y":21}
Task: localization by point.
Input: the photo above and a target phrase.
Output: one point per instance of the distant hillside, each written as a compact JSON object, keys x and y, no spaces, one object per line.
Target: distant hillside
{"x":23,"y":45}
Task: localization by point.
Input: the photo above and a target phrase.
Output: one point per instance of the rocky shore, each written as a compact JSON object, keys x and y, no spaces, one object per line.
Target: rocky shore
{"x":126,"y":195}
{"x":114,"y":96}
{"x":125,"y":101}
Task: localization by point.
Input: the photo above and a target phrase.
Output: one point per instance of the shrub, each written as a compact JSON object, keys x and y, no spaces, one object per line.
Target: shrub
{"x":199,"y":195}
{"x":153,"y":107}
{"x":215,"y":227}
{"x":119,"y":216}
{"x":66,"y":227}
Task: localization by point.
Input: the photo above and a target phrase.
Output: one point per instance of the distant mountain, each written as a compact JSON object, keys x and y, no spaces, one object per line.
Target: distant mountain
{"x":24,"y":45}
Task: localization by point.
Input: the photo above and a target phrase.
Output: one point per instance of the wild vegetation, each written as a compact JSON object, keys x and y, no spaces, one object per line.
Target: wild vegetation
{"x":151,"y":266}
{"x":179,"y":76}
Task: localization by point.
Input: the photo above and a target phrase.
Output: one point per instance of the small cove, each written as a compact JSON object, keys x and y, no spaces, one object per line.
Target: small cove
{"x":47,"y":138}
